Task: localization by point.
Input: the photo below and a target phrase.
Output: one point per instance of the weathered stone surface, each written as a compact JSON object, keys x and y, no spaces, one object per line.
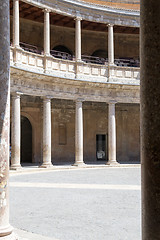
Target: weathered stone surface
{"x":150,"y":118}
{"x":5,"y":228}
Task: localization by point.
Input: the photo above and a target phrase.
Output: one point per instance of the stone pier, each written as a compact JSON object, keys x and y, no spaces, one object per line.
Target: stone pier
{"x":5,"y":228}
{"x":150,"y":118}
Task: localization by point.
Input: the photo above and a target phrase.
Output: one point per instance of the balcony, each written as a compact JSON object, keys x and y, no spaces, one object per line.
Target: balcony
{"x":63,"y":65}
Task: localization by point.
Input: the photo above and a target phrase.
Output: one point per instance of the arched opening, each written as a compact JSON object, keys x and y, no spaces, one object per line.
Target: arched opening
{"x":26,"y":140}
{"x":100,"y":53}
{"x":61,"y":52}
{"x":98,"y":57}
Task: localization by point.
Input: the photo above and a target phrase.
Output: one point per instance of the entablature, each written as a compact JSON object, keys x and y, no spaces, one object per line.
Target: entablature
{"x":35,"y":84}
{"x":90,"y":12}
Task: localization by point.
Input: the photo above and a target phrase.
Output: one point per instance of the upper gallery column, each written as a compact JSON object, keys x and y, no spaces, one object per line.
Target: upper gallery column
{"x":111,"y":133}
{"x":46,"y":32}
{"x":110,"y":45}
{"x":15,"y":23}
{"x":150,"y":118}
{"x":15,"y":132}
{"x":5,"y":228}
{"x":78,"y":38}
{"x":79,"y":133}
{"x":46,"y":133}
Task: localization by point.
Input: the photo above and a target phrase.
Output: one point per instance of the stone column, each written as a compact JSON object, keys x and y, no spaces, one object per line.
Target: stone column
{"x":16,"y":132}
{"x":5,"y":228}
{"x":111,"y":133}
{"x":150,"y":118}
{"x":110,"y":45}
{"x":79,"y":133}
{"x":78,"y":39}
{"x":46,"y":133}
{"x":46,"y":32}
{"x":15,"y":23}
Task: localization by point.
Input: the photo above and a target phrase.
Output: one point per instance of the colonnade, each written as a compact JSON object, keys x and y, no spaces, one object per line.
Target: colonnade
{"x":16,"y":40}
{"x":16,"y":132}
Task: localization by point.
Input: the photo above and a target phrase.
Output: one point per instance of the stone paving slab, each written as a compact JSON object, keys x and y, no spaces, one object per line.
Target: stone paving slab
{"x":24,"y":235}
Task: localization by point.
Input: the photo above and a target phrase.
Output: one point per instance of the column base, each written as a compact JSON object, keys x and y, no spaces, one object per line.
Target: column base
{"x":15,"y":167}
{"x":112,"y":162}
{"x":11,"y":236}
{"x":112,"y":65}
{"x":6,"y":231}
{"x":46,"y":165}
{"x":18,"y":47}
{"x":79,"y":164}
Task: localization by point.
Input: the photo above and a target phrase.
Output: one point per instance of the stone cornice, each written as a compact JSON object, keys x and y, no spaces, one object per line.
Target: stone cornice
{"x":90,"y":12}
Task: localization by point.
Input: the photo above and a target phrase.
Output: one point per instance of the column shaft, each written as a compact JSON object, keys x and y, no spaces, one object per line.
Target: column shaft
{"x":5,"y":228}
{"x":150,"y":118}
{"x":16,"y":23}
{"x":78,"y":39}
{"x":111,"y":134}
{"x":15,"y":132}
{"x":46,"y":32}
{"x":110,"y":44}
{"x":79,"y":134}
{"x":46,"y":133}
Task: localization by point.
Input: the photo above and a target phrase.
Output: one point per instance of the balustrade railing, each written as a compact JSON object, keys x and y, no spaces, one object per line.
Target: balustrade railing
{"x":93,"y":59}
{"x":31,"y":48}
{"x":61,"y":55}
{"x":63,"y":65}
{"x":127,"y":62}
{"x":121,"y":62}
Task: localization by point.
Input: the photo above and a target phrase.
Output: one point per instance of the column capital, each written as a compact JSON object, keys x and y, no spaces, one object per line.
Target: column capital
{"x":47,"y":98}
{"x":78,"y":100}
{"x":112,"y":102}
{"x":78,"y":18}
{"x":46,"y":10}
{"x":110,"y":25}
{"x":16,"y":94}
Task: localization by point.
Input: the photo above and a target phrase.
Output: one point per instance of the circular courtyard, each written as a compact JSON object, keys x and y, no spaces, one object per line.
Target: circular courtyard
{"x":78,"y":204}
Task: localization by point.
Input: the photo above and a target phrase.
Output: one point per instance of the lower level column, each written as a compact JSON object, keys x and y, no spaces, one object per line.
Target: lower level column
{"x":46,"y":133}
{"x":111,"y":133}
{"x":79,"y":133}
{"x":15,"y":132}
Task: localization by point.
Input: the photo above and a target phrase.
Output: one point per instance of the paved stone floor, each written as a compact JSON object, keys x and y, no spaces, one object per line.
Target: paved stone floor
{"x":82,"y":204}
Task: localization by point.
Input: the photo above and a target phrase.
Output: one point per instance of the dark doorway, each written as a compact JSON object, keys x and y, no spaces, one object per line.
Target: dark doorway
{"x":62,"y":48}
{"x":26,"y":140}
{"x":62,"y":52}
{"x":100,"y":53}
{"x":101,"y":147}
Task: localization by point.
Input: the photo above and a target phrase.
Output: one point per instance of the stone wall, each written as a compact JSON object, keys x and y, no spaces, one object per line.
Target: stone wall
{"x":126,"y":45}
{"x":95,"y":122}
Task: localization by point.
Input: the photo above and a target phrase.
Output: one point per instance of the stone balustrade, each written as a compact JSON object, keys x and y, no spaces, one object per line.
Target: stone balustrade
{"x":26,"y":60}
{"x":73,"y":70}
{"x":124,"y":75}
